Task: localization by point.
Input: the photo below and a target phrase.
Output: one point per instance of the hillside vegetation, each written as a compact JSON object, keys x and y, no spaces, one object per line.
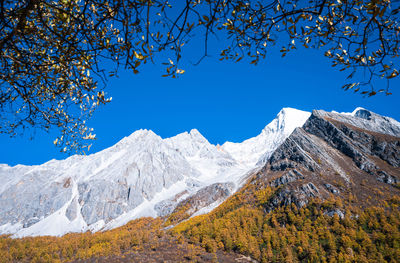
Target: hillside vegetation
{"x":80,"y":245}
{"x":291,"y":234}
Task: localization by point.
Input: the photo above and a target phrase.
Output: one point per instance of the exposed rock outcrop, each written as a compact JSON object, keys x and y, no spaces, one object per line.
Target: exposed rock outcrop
{"x":338,"y":155}
{"x":215,"y":193}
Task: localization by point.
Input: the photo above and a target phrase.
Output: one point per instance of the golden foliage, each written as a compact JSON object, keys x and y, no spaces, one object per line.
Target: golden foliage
{"x":289,"y":234}
{"x":74,"y":246}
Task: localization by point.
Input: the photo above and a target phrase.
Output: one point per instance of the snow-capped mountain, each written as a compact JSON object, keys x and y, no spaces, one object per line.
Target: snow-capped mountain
{"x":257,"y":150}
{"x":141,"y":175}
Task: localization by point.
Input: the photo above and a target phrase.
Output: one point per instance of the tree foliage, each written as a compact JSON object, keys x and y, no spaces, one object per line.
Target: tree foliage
{"x":292,"y":234}
{"x":55,"y":55}
{"x":131,"y":237}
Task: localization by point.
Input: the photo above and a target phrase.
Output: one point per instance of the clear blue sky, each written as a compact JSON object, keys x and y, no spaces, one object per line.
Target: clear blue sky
{"x":225,"y":101}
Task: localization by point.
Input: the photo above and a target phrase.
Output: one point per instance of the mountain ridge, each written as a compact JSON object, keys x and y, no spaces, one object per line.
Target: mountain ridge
{"x":146,"y":175}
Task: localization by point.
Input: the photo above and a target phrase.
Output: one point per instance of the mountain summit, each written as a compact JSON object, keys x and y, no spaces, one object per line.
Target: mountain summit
{"x":257,"y":149}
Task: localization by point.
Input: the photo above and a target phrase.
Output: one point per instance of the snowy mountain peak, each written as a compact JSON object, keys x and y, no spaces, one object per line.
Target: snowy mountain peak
{"x":191,"y":144}
{"x":143,"y":133}
{"x":287,"y":120}
{"x":257,"y":149}
{"x":196,"y":135}
{"x":195,"y":132}
{"x":289,"y":111}
{"x":141,"y":136}
{"x":139,"y":141}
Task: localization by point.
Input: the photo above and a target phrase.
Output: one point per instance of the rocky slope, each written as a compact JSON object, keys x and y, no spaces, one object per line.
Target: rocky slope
{"x":142,"y":175}
{"x":352,"y":156}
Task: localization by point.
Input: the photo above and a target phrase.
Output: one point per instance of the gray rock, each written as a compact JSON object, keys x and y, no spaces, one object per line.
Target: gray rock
{"x":333,"y":212}
{"x":72,"y":210}
{"x":364,"y":114}
{"x":386,"y":178}
{"x":30,"y":221}
{"x":206,"y":196}
{"x":288,"y":177}
{"x":165,"y":207}
{"x":285,"y":197}
{"x":290,"y":153}
{"x":26,"y":201}
{"x":298,"y":196}
{"x":113,"y":202}
{"x":331,"y":189}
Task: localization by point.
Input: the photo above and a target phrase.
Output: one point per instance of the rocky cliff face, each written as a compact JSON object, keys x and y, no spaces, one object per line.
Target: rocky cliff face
{"x":351,"y":156}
